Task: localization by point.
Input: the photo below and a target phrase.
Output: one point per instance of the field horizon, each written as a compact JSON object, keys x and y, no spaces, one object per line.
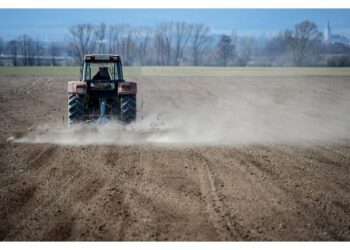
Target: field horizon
{"x":130,"y":71}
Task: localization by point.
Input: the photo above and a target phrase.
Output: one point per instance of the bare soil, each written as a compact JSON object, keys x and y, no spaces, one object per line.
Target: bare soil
{"x":280,"y":170}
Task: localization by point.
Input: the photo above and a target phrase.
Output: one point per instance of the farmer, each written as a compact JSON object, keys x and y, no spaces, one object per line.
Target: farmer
{"x":102,"y":74}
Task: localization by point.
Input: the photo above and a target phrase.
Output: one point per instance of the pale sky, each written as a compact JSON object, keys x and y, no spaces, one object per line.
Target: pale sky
{"x":54,"y":23}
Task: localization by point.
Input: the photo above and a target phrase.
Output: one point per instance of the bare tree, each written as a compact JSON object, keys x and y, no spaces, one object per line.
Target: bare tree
{"x":115,"y":33}
{"x":159,"y":46}
{"x":13,"y":47}
{"x":200,"y":37}
{"x":1,"y":49}
{"x":275,"y":50}
{"x":81,"y":41}
{"x":277,"y":45}
{"x":53,"y":52}
{"x":23,"y":44}
{"x":1,"y":46}
{"x":302,"y":41}
{"x":39,"y":51}
{"x":163,"y":40}
{"x":226,"y":49}
{"x":128,"y":46}
{"x":111,"y":39}
{"x":246,"y":49}
{"x":182,"y":34}
{"x":143,"y":39}
{"x":27,"y":49}
{"x":122,"y":42}
{"x":100,"y":34}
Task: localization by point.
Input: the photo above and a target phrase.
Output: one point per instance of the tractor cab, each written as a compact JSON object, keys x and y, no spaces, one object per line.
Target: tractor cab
{"x":102,"y":71}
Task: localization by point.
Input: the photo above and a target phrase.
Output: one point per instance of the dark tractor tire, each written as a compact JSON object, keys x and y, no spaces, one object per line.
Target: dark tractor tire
{"x":127,"y":108}
{"x":115,"y":110}
{"x":76,"y":108}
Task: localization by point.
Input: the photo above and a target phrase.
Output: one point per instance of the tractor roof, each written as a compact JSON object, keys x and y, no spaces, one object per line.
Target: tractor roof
{"x":102,"y":57}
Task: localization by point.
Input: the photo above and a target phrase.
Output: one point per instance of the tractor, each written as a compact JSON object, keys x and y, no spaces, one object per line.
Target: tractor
{"x":102,"y":95}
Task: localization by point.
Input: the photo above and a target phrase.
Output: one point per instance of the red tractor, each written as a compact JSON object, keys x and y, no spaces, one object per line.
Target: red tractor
{"x":102,"y":94}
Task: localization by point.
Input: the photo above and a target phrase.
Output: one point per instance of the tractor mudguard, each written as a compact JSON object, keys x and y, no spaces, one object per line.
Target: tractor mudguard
{"x":127,"y":88}
{"x":77,"y":87}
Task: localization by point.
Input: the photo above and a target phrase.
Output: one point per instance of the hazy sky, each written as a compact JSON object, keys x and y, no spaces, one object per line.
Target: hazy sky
{"x":54,"y":23}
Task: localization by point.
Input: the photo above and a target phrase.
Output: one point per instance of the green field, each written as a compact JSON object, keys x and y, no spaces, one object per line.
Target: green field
{"x":182,"y":71}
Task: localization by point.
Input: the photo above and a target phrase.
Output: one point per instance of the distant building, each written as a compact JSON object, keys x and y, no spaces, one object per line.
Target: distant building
{"x":329,"y":38}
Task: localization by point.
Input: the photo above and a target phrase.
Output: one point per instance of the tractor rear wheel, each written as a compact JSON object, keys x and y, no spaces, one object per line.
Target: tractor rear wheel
{"x":115,"y":109}
{"x":127,"y":108}
{"x":76,"y":108}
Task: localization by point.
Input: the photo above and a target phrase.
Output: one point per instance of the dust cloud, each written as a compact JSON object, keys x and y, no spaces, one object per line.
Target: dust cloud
{"x":233,"y":111}
{"x":241,"y":126}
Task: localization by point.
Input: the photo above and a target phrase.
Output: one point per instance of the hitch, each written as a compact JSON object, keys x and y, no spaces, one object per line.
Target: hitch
{"x":103,"y":120}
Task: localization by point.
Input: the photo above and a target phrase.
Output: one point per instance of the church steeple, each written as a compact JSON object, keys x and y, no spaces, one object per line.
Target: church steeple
{"x":327,"y":35}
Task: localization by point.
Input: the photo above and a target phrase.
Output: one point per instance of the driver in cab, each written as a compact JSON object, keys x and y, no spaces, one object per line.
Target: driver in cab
{"x":102,"y":74}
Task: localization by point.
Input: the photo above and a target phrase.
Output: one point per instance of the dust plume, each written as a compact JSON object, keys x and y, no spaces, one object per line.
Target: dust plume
{"x":233,"y":112}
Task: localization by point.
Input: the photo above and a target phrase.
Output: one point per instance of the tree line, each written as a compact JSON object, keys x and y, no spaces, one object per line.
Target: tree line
{"x":25,"y":51}
{"x":181,"y":43}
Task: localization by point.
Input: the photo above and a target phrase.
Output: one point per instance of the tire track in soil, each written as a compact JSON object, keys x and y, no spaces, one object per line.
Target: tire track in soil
{"x":29,"y":216}
{"x":333,"y":188}
{"x":246,"y":186}
{"x":333,"y":150}
{"x":32,"y":221}
{"x":128,"y":173}
{"x":312,"y":162}
{"x":275,"y":178}
{"x":37,"y":160}
{"x":217,"y":211}
{"x":150,"y":205}
{"x":321,"y":160}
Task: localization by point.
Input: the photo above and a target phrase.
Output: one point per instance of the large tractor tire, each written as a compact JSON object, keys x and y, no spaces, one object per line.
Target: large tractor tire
{"x":127,"y":108}
{"x":115,"y":110}
{"x":76,"y":108}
